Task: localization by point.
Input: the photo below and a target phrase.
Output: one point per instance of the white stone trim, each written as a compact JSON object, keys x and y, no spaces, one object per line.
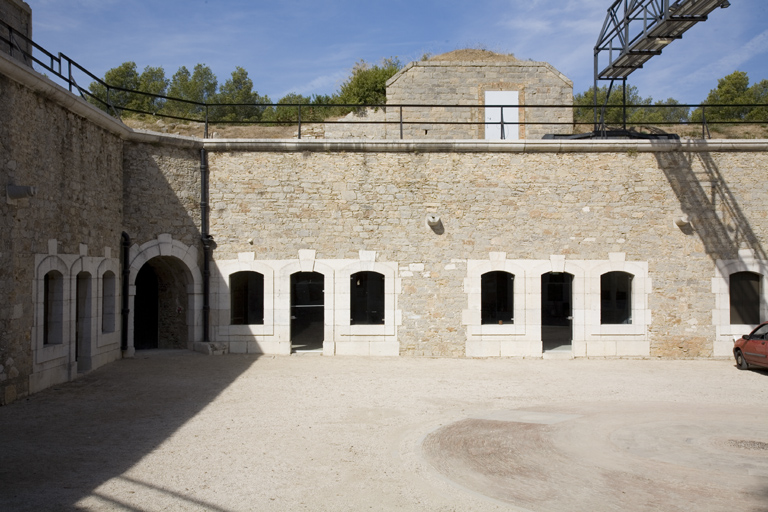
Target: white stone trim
{"x":367,"y":339}
{"x":165,"y":245}
{"x":725,"y":332}
{"x":274,"y":337}
{"x":283,"y":302}
{"x":44,"y":354}
{"x":56,"y":363}
{"x":242,"y":338}
{"x":590,"y":338}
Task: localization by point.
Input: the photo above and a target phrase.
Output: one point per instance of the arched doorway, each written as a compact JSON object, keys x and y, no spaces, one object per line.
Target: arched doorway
{"x":556,"y":310}
{"x":307,"y":311}
{"x":160,"y":305}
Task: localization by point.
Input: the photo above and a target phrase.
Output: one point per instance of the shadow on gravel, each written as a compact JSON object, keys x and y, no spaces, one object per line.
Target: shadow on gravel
{"x":61,"y":444}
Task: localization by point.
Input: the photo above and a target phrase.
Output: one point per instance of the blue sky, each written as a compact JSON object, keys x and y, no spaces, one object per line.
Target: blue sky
{"x":310,"y":46}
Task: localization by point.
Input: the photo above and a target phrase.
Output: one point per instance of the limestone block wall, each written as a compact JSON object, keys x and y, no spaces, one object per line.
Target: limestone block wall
{"x":591,"y":209}
{"x":18,"y":15}
{"x":465,"y":83}
{"x":161,"y":191}
{"x":71,"y":226}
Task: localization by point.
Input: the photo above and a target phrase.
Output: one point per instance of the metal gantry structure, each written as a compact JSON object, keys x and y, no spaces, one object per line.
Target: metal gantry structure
{"x":635,"y":31}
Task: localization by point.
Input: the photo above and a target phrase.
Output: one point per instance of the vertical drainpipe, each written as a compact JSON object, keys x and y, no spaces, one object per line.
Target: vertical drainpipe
{"x":207,"y":240}
{"x":124,"y":310}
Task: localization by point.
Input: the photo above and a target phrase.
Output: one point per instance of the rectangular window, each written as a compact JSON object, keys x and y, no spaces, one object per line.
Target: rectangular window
{"x":745,"y":298}
{"x":616,"y":298}
{"x":246,"y":298}
{"x":497,"y":298}
{"x":366,"y":298}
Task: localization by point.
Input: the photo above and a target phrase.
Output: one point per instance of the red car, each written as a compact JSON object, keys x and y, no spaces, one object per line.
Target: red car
{"x":751,"y":350}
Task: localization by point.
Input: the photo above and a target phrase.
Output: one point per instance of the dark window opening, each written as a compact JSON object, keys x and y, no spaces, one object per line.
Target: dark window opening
{"x":745,"y":298}
{"x":53,"y":308}
{"x":366,"y":298}
{"x":108,"y":297}
{"x":497,"y":298}
{"x":616,"y":298}
{"x":247,"y":298}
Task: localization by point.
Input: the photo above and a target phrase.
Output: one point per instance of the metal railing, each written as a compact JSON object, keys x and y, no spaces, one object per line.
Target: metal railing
{"x":112,"y":99}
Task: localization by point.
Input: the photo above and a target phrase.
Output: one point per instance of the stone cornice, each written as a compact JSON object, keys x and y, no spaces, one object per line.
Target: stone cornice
{"x":482,"y":146}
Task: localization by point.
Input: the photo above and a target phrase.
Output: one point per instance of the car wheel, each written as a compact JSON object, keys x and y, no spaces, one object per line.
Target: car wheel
{"x":741,"y":363}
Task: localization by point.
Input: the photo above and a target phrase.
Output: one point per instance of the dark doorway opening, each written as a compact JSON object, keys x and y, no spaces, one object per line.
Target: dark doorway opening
{"x":160,"y":305}
{"x":145,"y":315}
{"x":307,"y":311}
{"x":556,"y":310}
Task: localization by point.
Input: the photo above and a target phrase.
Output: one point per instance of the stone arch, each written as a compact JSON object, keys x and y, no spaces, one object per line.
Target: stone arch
{"x":185,"y":258}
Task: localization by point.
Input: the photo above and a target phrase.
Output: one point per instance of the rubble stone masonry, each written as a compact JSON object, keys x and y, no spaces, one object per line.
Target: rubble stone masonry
{"x":531,"y":205}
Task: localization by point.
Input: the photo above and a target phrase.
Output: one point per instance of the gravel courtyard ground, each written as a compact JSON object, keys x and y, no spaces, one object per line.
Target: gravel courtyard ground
{"x":176,"y":430}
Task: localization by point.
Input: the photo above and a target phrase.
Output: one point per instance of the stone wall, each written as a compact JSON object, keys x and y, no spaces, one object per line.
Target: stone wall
{"x":161,"y":191}
{"x":18,"y":15}
{"x":531,"y":206}
{"x":72,"y":224}
{"x":465,"y":83}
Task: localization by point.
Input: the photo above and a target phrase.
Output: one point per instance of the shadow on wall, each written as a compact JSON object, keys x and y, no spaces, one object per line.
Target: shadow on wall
{"x":62,"y":445}
{"x":706,"y":198}
{"x":162,"y":196}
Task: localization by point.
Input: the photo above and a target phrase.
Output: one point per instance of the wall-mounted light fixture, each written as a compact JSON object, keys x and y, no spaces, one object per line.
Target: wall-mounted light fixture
{"x":683,"y":221}
{"x":434,"y":222}
{"x":14,"y":192}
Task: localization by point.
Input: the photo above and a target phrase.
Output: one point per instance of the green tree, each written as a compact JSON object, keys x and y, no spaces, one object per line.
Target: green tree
{"x":734,"y":89}
{"x":638,"y":111}
{"x":673,"y":113}
{"x":287,"y":110}
{"x":153,"y":81}
{"x":198,"y":87}
{"x":759,"y":95}
{"x":178,"y":89}
{"x":124,"y":76}
{"x":238,"y":89}
{"x":367,"y":85}
{"x":731,"y":89}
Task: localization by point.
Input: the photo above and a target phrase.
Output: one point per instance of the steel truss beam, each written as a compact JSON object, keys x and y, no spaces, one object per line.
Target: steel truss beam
{"x":634,"y":31}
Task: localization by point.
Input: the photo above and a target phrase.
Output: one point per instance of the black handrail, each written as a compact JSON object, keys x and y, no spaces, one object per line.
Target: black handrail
{"x":65,"y":68}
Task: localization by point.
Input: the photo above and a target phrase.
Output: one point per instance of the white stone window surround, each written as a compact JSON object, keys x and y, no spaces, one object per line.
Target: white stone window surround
{"x":725,"y":332}
{"x":245,"y":262}
{"x":274,"y":337}
{"x":55,"y":363}
{"x":640,"y":290}
{"x":367,"y":263}
{"x":107,"y":337}
{"x":590,"y":337}
{"x":46,"y":352}
{"x":472,"y":317}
